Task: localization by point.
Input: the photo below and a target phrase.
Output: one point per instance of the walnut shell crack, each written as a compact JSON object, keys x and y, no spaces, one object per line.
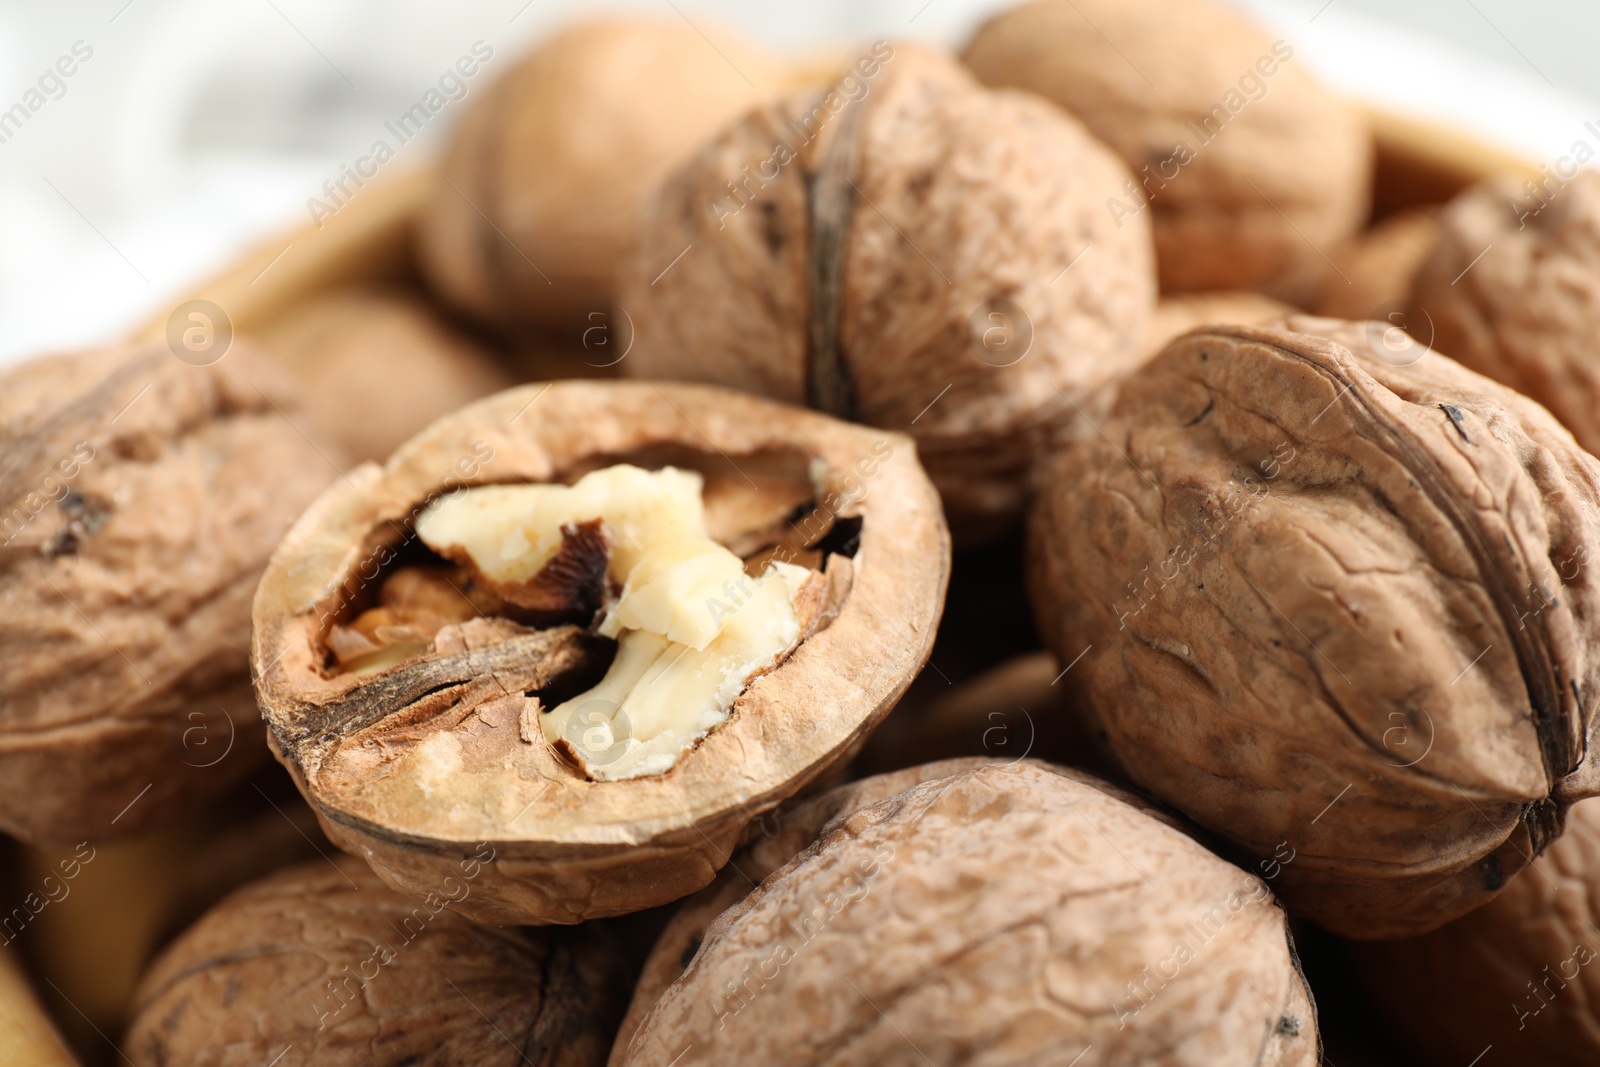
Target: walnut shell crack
{"x":1337,"y":605}
{"x":906,"y":249}
{"x":142,"y":497}
{"x":409,"y":766}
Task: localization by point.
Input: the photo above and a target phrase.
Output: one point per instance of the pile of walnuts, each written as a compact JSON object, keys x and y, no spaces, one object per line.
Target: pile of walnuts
{"x":1066,"y":551}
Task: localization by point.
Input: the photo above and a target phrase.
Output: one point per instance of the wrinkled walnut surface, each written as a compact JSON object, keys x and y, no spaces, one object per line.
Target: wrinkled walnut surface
{"x":1283,"y":170}
{"x":975,"y":912}
{"x":412,"y":765}
{"x":1337,"y":607}
{"x":161,"y":488}
{"x":1528,"y":312}
{"x":902,"y":260}
{"x":378,"y":367}
{"x":1466,"y":985}
{"x":542,"y":190}
{"x":322,"y":964}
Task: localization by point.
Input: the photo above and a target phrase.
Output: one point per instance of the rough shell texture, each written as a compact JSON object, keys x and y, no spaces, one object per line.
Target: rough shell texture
{"x":378,"y":367}
{"x":1376,"y":269}
{"x":541,"y":192}
{"x":412,"y":766}
{"x":904,"y":250}
{"x":1003,"y":914}
{"x":323,"y":964}
{"x":1521,"y":973}
{"x":1179,"y":314}
{"x":1338,"y":608}
{"x":1527,"y":312}
{"x":141,"y":498}
{"x":1247,"y":165}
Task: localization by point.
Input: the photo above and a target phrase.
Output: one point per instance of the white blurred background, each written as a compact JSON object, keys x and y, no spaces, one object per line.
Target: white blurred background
{"x":195,"y":129}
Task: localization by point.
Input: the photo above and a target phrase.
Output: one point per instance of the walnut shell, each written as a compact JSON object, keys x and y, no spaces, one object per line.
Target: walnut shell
{"x":1513,"y":291}
{"x":1378,"y":268}
{"x":911,"y":261}
{"x":1251,"y":171}
{"x":1177,"y":315}
{"x":999,"y":914}
{"x":27,"y":1035}
{"x":141,"y":498}
{"x":378,"y":367}
{"x":1500,"y":976}
{"x":570,"y":849}
{"x":1333,"y":607}
{"x":279,"y":972}
{"x":542,"y":190}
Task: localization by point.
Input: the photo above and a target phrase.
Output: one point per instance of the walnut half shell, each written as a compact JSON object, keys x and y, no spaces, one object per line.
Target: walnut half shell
{"x":409,"y":765}
{"x":1336,"y":609}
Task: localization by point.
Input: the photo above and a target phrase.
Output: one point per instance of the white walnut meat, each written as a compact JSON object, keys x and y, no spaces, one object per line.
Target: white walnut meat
{"x":443,"y":745}
{"x":323,"y":964}
{"x":1248,"y":167}
{"x":1522,"y":973}
{"x":141,"y":498}
{"x":982,"y":912}
{"x":905,"y":249}
{"x":1512,"y":290}
{"x":542,"y":190}
{"x":1334,"y":607}
{"x":378,"y":366}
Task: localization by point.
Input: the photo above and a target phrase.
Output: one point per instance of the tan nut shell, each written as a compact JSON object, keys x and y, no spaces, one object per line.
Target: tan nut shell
{"x":1376,"y":269}
{"x":1334,"y":606}
{"x":542,"y":190}
{"x":1179,"y":314}
{"x":322,"y":964}
{"x":1467,"y":985}
{"x":571,"y":849}
{"x":1000,"y":914}
{"x":1527,"y":313}
{"x":862,"y":277}
{"x":378,"y":367}
{"x":1286,"y":177}
{"x":125,"y":599}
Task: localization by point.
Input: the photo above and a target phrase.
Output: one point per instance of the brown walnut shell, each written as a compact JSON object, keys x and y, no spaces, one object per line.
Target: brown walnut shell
{"x":906,"y":249}
{"x":542,"y":190}
{"x":570,"y":849}
{"x":141,"y":499}
{"x":378,"y":367}
{"x":1176,"y":315}
{"x":1335,"y":608}
{"x":1522,"y":973}
{"x":323,"y":964}
{"x":981,"y":912}
{"x":1513,"y":291}
{"x":1251,"y":170}
{"x":1377,"y":268}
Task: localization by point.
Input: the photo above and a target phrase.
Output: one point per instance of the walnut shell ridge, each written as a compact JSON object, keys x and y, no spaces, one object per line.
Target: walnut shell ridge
{"x":998,"y":914}
{"x":322,"y":964}
{"x":908,"y":250}
{"x":1251,"y":171}
{"x":1335,"y":607}
{"x":567,"y":848}
{"x":142,"y":497}
{"x":1512,"y":290}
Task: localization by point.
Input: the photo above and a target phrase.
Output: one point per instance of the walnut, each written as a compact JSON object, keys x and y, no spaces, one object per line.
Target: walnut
{"x":141,"y":497}
{"x":1512,"y":290}
{"x":975,"y":912}
{"x":906,"y":249}
{"x":378,"y":367}
{"x":1376,"y":269}
{"x":542,"y":190}
{"x":449,"y":739}
{"x":1333,"y":607}
{"x":1251,"y":171}
{"x":323,"y":964}
{"x":27,"y":1036}
{"x":1177,"y":315}
{"x":1521,"y":973}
